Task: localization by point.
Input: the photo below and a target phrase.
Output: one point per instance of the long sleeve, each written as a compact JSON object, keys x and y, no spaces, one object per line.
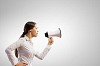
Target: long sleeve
{"x":44,"y":53}
{"x":10,"y":49}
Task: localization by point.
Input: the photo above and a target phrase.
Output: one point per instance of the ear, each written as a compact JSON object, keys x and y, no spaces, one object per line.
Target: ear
{"x":30,"y":30}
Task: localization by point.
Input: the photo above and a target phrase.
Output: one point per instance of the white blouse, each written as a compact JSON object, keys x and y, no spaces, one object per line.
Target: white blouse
{"x":26,"y":51}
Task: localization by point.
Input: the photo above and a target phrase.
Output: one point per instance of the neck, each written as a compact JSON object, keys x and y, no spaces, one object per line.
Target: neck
{"x":29,"y":36}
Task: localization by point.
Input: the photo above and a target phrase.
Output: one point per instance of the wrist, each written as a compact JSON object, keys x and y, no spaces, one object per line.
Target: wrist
{"x":16,"y":65}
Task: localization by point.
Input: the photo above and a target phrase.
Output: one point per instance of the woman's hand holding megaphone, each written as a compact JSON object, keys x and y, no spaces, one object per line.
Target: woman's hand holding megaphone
{"x":50,"y":41}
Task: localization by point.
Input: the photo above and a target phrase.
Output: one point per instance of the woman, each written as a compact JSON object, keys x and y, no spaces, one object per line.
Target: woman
{"x":24,"y":49}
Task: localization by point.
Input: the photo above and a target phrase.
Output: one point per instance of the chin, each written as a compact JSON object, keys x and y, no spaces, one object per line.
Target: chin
{"x":35,"y":36}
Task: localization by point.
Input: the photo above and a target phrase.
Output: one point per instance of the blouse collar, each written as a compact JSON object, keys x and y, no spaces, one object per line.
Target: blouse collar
{"x":27,"y":38}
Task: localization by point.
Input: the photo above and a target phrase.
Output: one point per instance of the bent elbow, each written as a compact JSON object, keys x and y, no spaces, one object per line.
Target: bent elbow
{"x":7,"y":50}
{"x":41,"y":58}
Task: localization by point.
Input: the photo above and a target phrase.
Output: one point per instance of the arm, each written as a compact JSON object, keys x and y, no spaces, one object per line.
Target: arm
{"x":46,"y":50}
{"x":43,"y":54}
{"x":10,"y":49}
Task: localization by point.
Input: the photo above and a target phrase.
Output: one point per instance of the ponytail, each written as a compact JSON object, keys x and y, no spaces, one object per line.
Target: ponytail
{"x":22,"y":34}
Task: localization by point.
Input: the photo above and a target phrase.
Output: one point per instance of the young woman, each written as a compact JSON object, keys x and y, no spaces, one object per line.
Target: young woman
{"x":24,"y":49}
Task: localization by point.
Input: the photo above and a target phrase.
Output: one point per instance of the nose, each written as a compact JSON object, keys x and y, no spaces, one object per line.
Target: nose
{"x":37,"y":31}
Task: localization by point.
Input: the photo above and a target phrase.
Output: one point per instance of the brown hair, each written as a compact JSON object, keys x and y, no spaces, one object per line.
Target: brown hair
{"x":29,"y":25}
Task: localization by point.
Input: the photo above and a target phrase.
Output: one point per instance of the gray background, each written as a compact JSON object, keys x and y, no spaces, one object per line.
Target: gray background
{"x":79,"y":21}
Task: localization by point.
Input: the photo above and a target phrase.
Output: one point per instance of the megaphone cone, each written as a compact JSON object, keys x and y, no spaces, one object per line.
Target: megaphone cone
{"x":56,"y":33}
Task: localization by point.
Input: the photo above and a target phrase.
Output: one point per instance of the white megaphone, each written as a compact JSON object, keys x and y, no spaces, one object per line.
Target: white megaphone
{"x":56,"y":33}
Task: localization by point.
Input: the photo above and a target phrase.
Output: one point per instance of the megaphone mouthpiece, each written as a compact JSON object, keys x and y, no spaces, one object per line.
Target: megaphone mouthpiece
{"x":46,"y":34}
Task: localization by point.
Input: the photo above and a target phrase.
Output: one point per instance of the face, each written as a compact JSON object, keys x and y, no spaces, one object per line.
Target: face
{"x":34,"y":31}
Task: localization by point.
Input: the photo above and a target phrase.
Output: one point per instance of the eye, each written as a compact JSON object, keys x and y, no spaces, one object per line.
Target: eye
{"x":36,"y":28}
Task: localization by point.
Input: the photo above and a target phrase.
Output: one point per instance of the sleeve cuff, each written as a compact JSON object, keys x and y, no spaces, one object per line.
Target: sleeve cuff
{"x":15,"y":63}
{"x":48,"y":46}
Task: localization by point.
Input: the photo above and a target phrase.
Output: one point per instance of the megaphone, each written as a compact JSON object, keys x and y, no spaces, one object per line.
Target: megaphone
{"x":56,"y":33}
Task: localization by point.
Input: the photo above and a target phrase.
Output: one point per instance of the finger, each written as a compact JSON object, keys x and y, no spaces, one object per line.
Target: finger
{"x":24,"y":63}
{"x":51,"y":39}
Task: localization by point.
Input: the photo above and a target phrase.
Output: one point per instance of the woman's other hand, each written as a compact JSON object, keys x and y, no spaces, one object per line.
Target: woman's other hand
{"x":21,"y":64}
